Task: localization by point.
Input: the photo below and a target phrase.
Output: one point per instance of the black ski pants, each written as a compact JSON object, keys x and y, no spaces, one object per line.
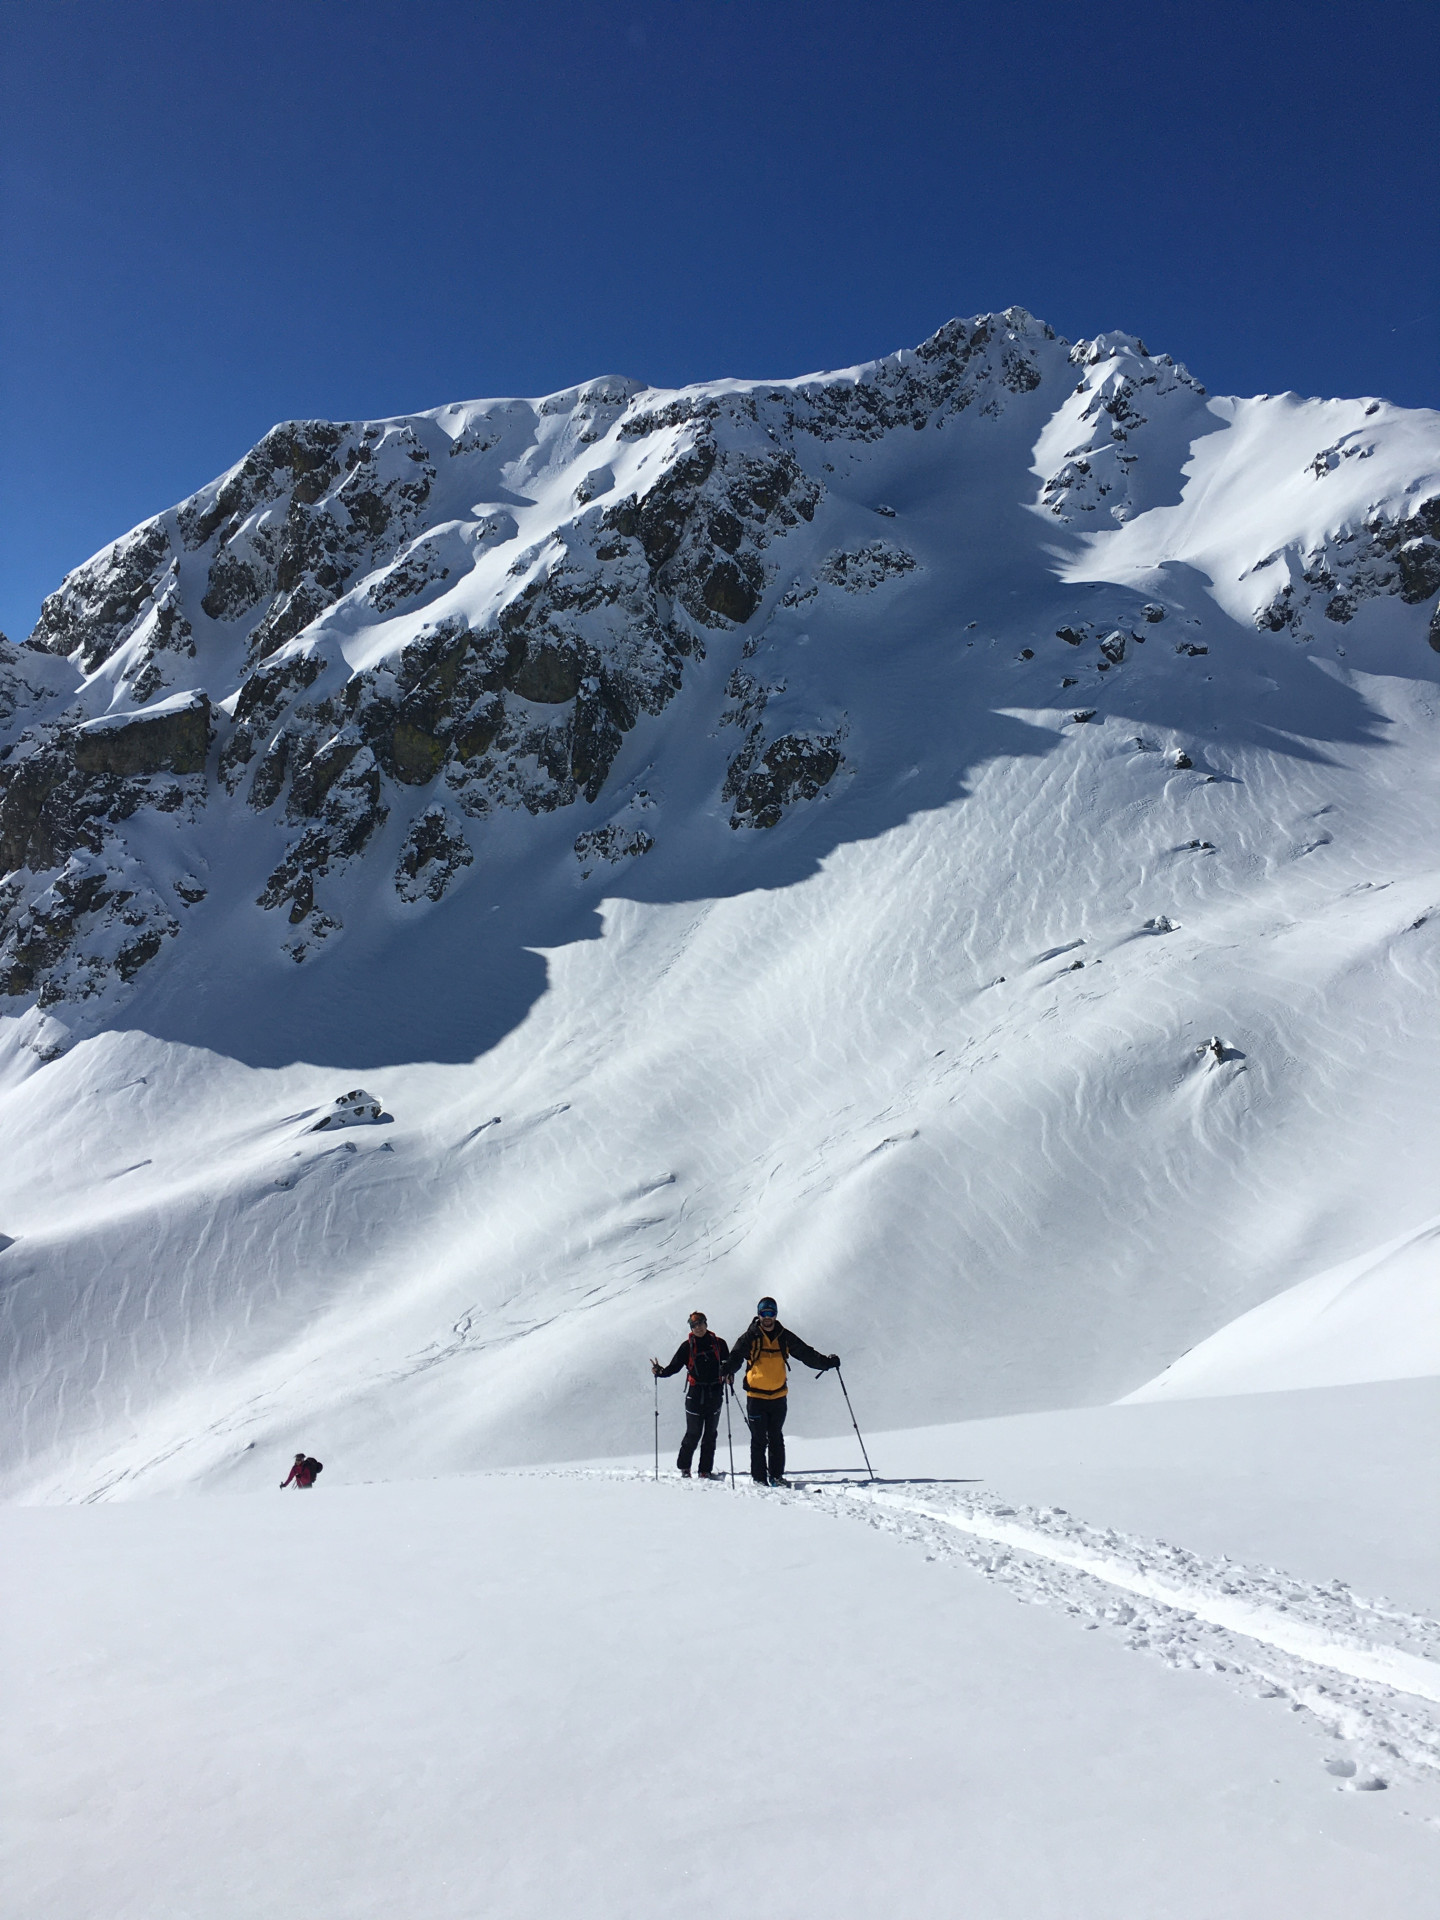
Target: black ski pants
{"x":702,"y":1421}
{"x":766,"y":1419}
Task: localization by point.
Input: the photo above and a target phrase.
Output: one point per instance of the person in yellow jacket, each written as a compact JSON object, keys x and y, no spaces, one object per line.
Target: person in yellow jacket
{"x":765,"y":1350}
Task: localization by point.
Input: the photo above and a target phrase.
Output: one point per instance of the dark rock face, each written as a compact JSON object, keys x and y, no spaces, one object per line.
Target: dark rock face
{"x":89,"y":922}
{"x":291,"y":525}
{"x":234,"y":587}
{"x":610,"y":845}
{"x":1419,"y":565}
{"x":1388,"y":556}
{"x":90,"y":613}
{"x":853,"y":570}
{"x":269,"y":777}
{"x":965,"y":362}
{"x":59,"y":796}
{"x":74,"y":910}
{"x":795,"y":767}
{"x":28,"y":786}
{"x":730,"y":593}
{"x":416,"y":756}
{"x":435,"y":851}
{"x":548,"y":674}
{"x":161,"y":645}
{"x":407,"y":580}
{"x":589,"y":635}
{"x":175,"y":741}
{"x":1120,"y":393}
{"x":335,"y":797}
{"x":704,"y":525}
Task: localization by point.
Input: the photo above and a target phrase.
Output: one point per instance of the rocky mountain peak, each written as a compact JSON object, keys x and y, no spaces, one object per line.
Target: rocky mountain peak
{"x":393,"y":632}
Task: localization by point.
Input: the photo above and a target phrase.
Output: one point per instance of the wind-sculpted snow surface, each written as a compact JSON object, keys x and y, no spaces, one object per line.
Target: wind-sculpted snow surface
{"x":950,"y":842}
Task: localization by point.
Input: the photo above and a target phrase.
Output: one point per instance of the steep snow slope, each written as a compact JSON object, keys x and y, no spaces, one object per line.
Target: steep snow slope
{"x":1375,"y":1318}
{"x":796,"y":834}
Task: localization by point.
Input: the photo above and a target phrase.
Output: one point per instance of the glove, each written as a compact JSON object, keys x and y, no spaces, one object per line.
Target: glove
{"x":833,"y":1361}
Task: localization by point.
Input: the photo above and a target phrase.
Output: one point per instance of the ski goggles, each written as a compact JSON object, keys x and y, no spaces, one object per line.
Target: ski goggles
{"x":765,"y":1308}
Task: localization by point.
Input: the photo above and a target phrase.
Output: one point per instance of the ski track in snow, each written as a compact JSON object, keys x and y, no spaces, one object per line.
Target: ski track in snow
{"x":1368,"y":1672}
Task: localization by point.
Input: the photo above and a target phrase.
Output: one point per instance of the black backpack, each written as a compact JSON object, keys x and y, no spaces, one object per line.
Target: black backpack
{"x":316,"y":1466}
{"x":712,"y":1357}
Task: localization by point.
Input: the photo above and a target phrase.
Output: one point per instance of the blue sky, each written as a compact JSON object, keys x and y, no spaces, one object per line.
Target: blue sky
{"x":223,"y":215}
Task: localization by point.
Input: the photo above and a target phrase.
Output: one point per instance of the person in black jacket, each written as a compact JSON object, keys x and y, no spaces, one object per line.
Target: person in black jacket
{"x":705,"y":1358}
{"x":765,"y":1350}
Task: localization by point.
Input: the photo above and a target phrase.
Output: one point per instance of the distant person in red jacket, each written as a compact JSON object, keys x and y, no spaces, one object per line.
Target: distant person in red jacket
{"x":303,"y":1472}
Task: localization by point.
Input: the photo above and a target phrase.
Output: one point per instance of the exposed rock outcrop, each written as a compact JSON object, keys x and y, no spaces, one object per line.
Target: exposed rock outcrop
{"x":765,"y":779}
{"x":174,"y":738}
{"x":435,"y":851}
{"x":1389,"y":555}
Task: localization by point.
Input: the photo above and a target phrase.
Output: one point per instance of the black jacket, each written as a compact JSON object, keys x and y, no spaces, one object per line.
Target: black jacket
{"x":791,"y":1345}
{"x":705,"y":1359}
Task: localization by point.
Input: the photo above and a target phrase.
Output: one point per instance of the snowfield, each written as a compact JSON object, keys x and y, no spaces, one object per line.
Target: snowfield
{"x":950,"y":843}
{"x":535,"y":1692}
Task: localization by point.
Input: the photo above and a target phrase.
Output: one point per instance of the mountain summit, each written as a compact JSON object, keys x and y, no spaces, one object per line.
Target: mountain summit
{"x":946,"y":839}
{"x":419,"y":624}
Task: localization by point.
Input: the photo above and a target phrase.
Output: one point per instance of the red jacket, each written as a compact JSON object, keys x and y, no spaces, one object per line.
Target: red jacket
{"x":302,"y":1473}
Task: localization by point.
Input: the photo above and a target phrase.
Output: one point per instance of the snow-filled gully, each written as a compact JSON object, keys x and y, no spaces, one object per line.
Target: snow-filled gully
{"x":1368,"y":1672}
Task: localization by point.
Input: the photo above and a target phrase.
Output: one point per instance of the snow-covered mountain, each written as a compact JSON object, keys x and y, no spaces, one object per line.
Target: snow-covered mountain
{"x":949,"y":842}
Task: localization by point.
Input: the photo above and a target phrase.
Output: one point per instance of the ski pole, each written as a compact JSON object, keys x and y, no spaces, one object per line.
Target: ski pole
{"x":729,"y":1437}
{"x":657,"y":1425}
{"x":854,"y":1422}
